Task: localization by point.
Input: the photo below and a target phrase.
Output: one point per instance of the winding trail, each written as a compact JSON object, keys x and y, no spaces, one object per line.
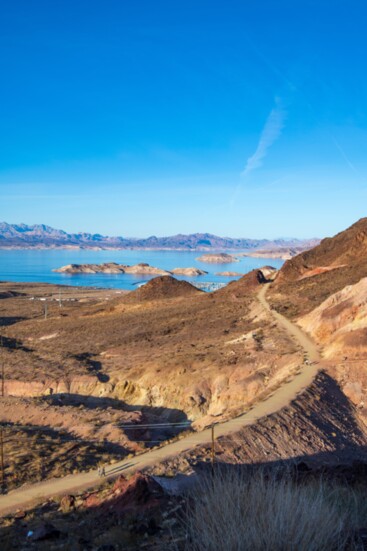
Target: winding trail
{"x":27,"y":496}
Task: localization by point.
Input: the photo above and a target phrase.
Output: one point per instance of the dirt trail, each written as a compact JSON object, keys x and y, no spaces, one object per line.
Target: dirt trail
{"x":302,"y":338}
{"x":25,"y":497}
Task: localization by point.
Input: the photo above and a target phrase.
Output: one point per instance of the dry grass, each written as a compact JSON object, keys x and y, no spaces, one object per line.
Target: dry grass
{"x":32,"y":456}
{"x":236,"y":512}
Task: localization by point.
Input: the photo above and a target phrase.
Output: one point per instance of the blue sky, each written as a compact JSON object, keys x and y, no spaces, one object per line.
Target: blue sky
{"x":145,"y":117}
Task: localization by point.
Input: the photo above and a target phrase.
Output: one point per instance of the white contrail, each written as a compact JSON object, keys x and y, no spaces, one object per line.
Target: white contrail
{"x":270,"y":133}
{"x":344,"y":155}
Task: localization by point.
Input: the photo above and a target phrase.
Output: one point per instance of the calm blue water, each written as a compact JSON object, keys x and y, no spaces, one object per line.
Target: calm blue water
{"x":37,"y":266}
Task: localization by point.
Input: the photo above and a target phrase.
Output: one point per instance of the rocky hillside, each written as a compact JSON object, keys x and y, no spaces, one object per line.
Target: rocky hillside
{"x":42,"y":236}
{"x":325,"y":289}
{"x":347,"y":248}
{"x":308,"y":279}
{"x":340,"y":322}
{"x":339,"y":325}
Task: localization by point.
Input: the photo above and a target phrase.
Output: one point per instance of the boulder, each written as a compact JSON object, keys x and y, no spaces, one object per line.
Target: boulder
{"x":67,"y":503}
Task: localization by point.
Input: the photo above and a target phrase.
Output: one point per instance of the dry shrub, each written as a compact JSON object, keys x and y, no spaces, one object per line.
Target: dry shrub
{"x":235,"y":512}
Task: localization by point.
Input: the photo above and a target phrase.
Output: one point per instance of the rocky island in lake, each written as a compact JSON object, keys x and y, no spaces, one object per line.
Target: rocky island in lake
{"x":188,"y":271}
{"x":114,"y":268}
{"x":217,"y":258}
{"x":229,"y":274}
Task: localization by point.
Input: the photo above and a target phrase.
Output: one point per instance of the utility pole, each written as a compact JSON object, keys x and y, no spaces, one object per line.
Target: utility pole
{"x":60,"y":305}
{"x":1,"y":433}
{"x":2,"y":380}
{"x":45,"y":309}
{"x":2,"y":460}
{"x":213,"y":450}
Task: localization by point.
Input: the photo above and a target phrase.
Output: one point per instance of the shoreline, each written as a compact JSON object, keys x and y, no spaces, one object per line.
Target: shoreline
{"x":78,"y":248}
{"x":251,"y":253}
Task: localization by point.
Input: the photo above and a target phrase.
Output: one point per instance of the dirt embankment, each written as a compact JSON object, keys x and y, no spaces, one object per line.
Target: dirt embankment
{"x":320,"y":428}
{"x":339,"y":324}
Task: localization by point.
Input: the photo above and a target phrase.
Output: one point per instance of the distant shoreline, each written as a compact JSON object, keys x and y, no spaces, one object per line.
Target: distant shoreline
{"x":82,"y":248}
{"x":240,"y":252}
{"x":40,"y":236}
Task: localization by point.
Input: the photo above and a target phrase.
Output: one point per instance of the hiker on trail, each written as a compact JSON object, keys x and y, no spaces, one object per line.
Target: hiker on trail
{"x":103,"y":471}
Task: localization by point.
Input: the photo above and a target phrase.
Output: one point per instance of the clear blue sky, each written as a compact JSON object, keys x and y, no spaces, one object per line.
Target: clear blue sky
{"x":140,"y":117}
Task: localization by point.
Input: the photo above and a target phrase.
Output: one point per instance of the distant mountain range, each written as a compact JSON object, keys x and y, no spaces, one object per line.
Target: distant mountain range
{"x":42,"y":236}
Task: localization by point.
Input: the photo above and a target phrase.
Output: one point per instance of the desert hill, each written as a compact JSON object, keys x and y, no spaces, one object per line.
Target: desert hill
{"x":162,"y":287}
{"x":347,"y":247}
{"x":242,"y":287}
{"x":309,"y":278}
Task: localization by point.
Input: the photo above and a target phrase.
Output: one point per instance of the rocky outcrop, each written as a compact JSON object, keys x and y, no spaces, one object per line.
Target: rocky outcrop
{"x":144,"y":269}
{"x":242,"y":287}
{"x":191,"y":272}
{"x":268,"y":272}
{"x":140,"y":492}
{"x":285,"y":253}
{"x":114,"y":268}
{"x":340,"y":322}
{"x":111,"y":268}
{"x":217,"y":258}
{"x":339,"y":325}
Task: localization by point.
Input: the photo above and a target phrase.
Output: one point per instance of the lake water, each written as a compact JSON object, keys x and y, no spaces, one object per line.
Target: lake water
{"x":37,"y":266}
